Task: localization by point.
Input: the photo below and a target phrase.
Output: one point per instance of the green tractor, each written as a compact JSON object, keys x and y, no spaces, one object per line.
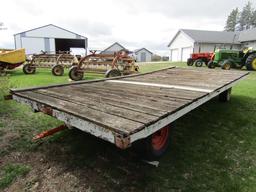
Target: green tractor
{"x":227,"y":59}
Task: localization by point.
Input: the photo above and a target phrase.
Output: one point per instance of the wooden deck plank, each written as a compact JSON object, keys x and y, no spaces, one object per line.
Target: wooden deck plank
{"x":101,"y":106}
{"x":112,"y":122}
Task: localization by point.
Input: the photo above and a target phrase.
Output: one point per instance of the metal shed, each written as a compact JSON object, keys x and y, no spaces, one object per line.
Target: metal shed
{"x":49,"y":38}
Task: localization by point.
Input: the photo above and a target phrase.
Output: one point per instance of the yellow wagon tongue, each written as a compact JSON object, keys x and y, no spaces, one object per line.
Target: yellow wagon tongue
{"x":13,"y":56}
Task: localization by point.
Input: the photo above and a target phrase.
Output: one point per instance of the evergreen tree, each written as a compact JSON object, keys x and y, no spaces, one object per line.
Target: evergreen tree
{"x":232,"y":20}
{"x":253,"y":20}
{"x":246,"y":17}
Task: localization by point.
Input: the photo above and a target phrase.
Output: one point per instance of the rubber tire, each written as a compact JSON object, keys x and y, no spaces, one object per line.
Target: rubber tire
{"x":211,"y":65}
{"x":225,"y":96}
{"x":145,"y":149}
{"x":198,"y":63}
{"x":226,"y":65}
{"x":58,"y":70}
{"x":27,"y":69}
{"x":74,"y":75}
{"x":190,"y":62}
{"x":113,"y":73}
{"x":249,"y":61}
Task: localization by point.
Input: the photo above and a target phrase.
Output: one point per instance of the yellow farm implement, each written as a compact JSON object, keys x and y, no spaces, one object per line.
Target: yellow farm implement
{"x":10,"y":59}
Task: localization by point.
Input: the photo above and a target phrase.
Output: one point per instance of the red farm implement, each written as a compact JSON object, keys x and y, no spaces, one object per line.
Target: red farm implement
{"x":198,"y":59}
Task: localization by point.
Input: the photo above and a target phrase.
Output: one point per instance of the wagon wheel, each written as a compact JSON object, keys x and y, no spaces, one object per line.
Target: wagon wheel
{"x":154,"y":146}
{"x":75,"y":74}
{"x":112,"y":73}
{"x":199,"y":63}
{"x":225,"y":96}
{"x":57,"y":70}
{"x":28,"y":69}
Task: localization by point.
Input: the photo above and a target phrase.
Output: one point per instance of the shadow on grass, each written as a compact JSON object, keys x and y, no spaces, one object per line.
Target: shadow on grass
{"x":205,"y":154}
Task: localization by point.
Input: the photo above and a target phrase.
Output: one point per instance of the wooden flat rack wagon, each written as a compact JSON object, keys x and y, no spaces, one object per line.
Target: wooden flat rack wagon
{"x":57,"y":62}
{"x":135,"y":109}
{"x":112,"y":65}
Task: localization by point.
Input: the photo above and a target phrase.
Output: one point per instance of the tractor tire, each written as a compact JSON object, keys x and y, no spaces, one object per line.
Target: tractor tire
{"x":28,"y":69}
{"x":211,"y":65}
{"x":112,"y":73}
{"x":199,"y":63}
{"x":225,"y":96}
{"x":155,"y":145}
{"x":75,"y":74}
{"x":226,"y":65}
{"x":190,"y":62}
{"x":250,"y":62}
{"x":58,"y":70}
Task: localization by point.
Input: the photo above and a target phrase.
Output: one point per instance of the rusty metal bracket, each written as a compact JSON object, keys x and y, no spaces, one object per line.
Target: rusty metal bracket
{"x":122,"y":142}
{"x":46,"y":110}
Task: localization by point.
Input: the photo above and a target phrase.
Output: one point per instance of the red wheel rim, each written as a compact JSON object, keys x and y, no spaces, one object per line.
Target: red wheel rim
{"x":160,"y":138}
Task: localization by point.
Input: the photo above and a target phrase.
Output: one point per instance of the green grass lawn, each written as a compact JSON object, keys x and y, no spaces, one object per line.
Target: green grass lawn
{"x":213,"y":148}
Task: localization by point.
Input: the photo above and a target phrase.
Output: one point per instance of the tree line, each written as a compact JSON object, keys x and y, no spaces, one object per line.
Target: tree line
{"x":241,"y":20}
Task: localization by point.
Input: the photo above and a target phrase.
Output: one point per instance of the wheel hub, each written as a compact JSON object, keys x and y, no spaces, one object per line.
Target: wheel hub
{"x":254,"y":64}
{"x":160,"y":138}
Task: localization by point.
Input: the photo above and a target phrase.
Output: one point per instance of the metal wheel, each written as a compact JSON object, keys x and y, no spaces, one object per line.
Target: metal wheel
{"x":211,"y":65}
{"x":75,"y":74}
{"x":251,"y":62}
{"x":112,"y":73}
{"x":154,"y":146}
{"x":57,"y":70}
{"x":199,"y":63}
{"x":28,"y":69}
{"x":226,"y":65}
{"x":190,"y":62}
{"x":225,"y":96}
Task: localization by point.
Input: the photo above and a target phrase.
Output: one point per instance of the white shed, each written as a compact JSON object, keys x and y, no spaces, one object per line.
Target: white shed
{"x":49,"y":38}
{"x":115,"y":47}
{"x":143,"y":55}
{"x":187,"y":41}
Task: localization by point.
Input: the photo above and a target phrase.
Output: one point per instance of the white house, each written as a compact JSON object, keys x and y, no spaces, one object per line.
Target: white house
{"x":187,"y":41}
{"x":143,"y":55}
{"x":115,"y":47}
{"x":49,"y":38}
{"x":248,"y":38}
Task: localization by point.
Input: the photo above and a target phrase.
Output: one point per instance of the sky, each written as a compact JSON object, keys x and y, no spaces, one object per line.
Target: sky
{"x":134,"y":24}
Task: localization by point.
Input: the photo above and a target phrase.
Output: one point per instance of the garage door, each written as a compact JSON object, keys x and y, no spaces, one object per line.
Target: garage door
{"x":174,"y":55}
{"x":185,"y":53}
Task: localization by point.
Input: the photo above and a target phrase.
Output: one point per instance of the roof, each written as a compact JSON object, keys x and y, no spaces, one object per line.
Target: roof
{"x":248,"y":35}
{"x":116,"y":43}
{"x":53,"y":26}
{"x":137,"y":50}
{"x":202,"y":36}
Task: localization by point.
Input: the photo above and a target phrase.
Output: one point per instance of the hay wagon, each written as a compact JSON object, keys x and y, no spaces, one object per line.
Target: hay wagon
{"x":57,"y":62}
{"x":130,"y":110}
{"x":112,"y":65}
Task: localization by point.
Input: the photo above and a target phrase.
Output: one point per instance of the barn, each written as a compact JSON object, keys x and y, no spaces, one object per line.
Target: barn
{"x":187,"y":41}
{"x":115,"y":47}
{"x":49,"y":38}
{"x":143,"y":55}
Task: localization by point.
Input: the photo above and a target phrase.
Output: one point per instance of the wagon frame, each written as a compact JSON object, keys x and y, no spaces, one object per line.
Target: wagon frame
{"x":121,"y":137}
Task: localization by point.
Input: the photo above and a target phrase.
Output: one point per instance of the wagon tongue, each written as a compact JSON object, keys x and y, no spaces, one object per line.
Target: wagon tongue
{"x":49,"y":132}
